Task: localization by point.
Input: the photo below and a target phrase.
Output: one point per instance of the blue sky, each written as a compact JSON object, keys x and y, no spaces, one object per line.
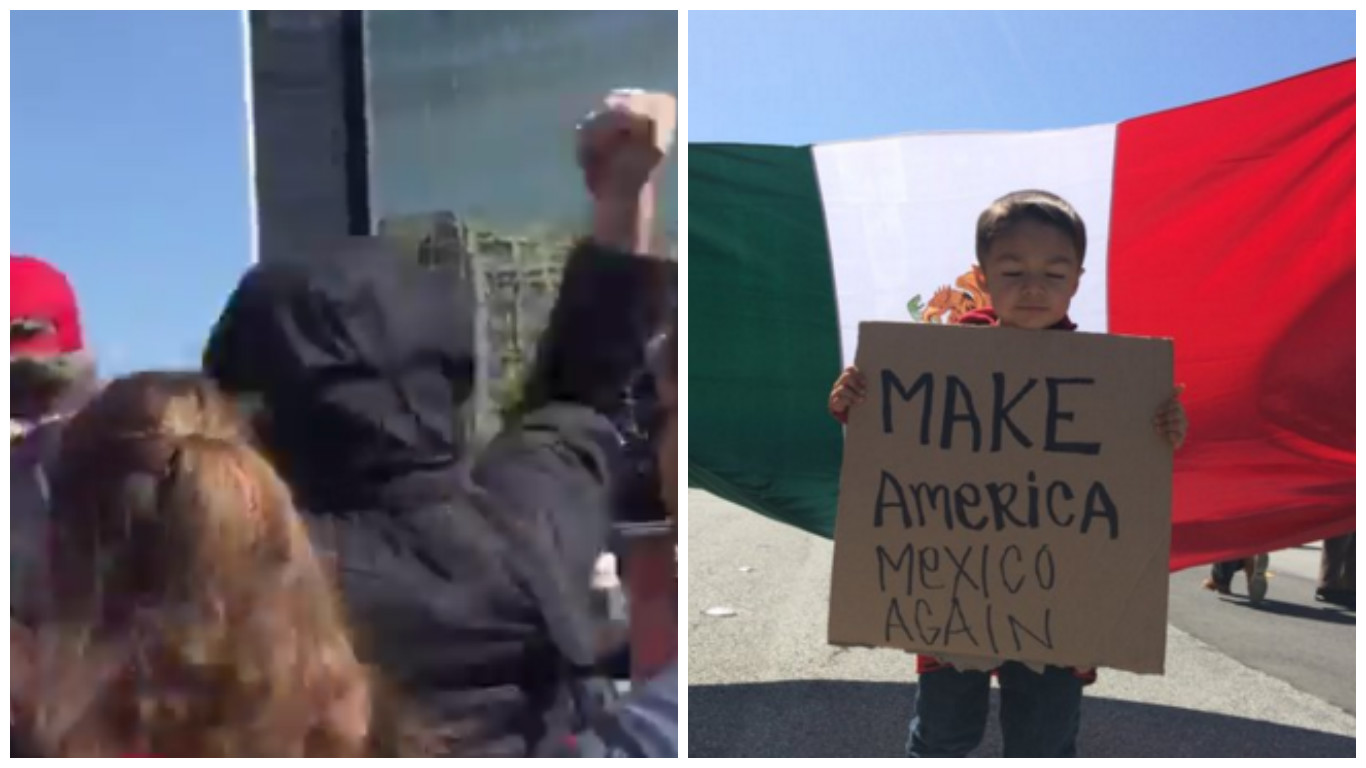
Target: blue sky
{"x":798,"y":78}
{"x":128,"y":130}
{"x":128,"y":169}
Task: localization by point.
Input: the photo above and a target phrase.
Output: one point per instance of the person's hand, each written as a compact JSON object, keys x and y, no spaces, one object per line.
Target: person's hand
{"x":622,"y":145}
{"x":620,"y":149}
{"x":1170,"y":421}
{"x":850,"y":389}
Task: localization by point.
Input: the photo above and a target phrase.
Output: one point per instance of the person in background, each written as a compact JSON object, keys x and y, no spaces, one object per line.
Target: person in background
{"x":191,"y":616}
{"x":651,"y":562}
{"x":1337,"y":572}
{"x":636,"y":503}
{"x":1221,"y":577}
{"x":468,"y":581}
{"x":52,"y":374}
{"x":645,"y":723}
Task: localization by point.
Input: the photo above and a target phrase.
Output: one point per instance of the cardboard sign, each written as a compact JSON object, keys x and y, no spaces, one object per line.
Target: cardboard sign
{"x":1005,"y":496}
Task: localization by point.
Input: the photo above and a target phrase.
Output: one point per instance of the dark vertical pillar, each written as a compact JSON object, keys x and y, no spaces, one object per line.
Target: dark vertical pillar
{"x":308,"y":108}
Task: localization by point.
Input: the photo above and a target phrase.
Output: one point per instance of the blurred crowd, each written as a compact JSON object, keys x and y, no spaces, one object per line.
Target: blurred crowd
{"x":292,"y":552}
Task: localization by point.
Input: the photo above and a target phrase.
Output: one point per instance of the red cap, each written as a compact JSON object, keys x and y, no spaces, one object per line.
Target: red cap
{"x":40,"y":297}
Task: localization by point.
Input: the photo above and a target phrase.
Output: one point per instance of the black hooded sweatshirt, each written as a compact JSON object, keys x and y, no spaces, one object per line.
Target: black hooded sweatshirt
{"x":467,"y":580}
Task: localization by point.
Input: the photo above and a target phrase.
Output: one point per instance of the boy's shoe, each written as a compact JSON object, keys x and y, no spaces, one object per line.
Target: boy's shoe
{"x":1217,"y":586}
{"x":1255,"y":567}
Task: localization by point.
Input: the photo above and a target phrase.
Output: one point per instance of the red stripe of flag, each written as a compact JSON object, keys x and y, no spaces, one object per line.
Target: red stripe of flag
{"x":1233,"y":231}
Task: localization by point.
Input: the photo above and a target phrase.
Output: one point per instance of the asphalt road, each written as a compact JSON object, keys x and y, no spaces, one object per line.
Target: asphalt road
{"x":1310,"y":645}
{"x":1276,"y":681}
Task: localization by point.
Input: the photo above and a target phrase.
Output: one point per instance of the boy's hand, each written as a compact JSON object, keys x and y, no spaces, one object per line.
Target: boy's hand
{"x":850,"y":389}
{"x":1170,"y":421}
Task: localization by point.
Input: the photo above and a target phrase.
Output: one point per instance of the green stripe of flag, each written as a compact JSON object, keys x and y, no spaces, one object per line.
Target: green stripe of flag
{"x":764,"y":335}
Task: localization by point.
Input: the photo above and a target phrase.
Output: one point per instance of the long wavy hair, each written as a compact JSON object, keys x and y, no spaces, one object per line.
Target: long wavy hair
{"x":191,"y":617}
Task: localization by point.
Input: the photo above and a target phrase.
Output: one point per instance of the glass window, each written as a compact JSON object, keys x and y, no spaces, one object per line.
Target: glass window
{"x":472,"y":152}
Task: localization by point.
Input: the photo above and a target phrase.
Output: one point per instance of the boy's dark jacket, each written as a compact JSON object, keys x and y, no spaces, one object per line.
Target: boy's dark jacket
{"x":466,"y":580}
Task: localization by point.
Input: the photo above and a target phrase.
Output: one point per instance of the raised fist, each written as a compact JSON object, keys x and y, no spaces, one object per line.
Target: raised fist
{"x":621,"y":145}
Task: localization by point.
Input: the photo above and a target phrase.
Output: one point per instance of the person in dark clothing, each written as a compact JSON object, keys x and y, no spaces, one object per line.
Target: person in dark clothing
{"x":1337,"y":572}
{"x":52,"y":374}
{"x":467,"y":579}
{"x":645,"y":723}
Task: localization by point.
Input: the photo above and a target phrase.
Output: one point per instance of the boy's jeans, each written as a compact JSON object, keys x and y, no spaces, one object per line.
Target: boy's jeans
{"x":1040,"y":714}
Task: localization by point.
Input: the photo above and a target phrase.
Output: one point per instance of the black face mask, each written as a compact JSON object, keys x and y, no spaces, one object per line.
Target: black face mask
{"x":36,"y":384}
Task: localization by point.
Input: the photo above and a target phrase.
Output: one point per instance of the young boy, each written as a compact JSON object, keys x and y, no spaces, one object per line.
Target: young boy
{"x":1030,"y":249}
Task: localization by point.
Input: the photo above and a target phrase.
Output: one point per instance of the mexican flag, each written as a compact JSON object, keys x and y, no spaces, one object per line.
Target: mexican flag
{"x":1228,"y":226}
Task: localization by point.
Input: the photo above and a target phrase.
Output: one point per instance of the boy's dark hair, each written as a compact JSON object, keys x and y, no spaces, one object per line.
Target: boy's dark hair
{"x":1029,"y":205}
